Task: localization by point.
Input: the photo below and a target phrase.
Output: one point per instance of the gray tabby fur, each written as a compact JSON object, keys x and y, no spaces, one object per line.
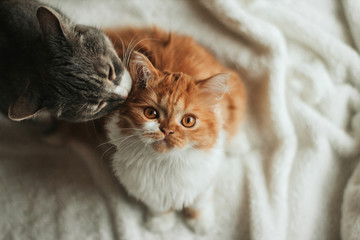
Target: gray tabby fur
{"x":50,"y":64}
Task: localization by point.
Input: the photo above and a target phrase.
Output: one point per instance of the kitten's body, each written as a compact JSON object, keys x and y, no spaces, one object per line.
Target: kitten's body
{"x":48,"y":63}
{"x":162,"y":161}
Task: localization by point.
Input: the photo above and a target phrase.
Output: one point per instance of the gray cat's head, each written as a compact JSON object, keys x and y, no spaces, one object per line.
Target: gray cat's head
{"x":83,"y":78}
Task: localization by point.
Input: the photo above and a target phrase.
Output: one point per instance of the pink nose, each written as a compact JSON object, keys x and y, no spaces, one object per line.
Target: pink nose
{"x":166,"y":131}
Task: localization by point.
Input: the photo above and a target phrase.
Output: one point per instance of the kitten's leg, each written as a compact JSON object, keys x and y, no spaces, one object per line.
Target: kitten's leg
{"x":200,"y":216}
{"x":160,"y":221}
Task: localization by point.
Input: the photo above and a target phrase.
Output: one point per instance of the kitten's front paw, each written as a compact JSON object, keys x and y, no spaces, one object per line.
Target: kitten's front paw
{"x":161,"y":222}
{"x":199,"y":221}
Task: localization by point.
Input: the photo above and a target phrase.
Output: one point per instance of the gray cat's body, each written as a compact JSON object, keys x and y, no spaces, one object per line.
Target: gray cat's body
{"x":48,"y":63}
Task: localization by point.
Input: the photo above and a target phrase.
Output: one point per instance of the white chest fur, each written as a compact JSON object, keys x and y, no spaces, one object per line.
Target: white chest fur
{"x":163,"y":181}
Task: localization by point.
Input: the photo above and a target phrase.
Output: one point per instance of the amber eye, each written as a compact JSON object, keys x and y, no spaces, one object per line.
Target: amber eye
{"x":188,"y":121}
{"x":151,"y":113}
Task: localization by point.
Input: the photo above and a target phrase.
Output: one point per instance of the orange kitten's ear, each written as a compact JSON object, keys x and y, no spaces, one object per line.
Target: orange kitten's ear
{"x":213,"y":88}
{"x":49,"y":22}
{"x":141,"y":69}
{"x":25,"y":107}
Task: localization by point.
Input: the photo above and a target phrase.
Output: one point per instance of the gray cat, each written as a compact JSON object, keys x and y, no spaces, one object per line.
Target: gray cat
{"x":49,"y":64}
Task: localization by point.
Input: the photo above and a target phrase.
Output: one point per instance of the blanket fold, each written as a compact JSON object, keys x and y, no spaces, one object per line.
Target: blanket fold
{"x":297,"y":176}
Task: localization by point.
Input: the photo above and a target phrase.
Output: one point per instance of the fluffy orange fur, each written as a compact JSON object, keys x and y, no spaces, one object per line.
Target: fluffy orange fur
{"x":177,"y":70}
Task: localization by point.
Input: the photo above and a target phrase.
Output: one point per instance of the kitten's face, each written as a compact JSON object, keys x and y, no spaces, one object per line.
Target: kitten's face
{"x":171,"y":110}
{"x":89,"y":74}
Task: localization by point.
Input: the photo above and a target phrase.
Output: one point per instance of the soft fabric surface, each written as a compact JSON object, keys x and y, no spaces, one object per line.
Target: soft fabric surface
{"x":297,"y":177}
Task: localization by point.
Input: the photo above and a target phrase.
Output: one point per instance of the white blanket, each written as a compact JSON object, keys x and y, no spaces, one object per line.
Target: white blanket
{"x":297,"y":177}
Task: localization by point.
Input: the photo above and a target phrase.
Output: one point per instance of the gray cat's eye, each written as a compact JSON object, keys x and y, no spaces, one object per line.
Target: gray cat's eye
{"x":111,"y":74}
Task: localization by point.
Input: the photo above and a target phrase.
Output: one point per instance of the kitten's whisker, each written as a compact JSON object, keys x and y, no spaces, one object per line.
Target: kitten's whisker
{"x":117,"y":139}
{"x":124,"y":138}
{"x":129,"y":144}
{"x":138,"y":140}
{"x":135,"y":151}
{"x":121,"y":147}
{"x":107,"y":150}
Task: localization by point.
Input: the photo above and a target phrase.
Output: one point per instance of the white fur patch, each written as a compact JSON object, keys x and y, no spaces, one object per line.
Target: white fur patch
{"x":151,"y":126}
{"x":125,"y":85}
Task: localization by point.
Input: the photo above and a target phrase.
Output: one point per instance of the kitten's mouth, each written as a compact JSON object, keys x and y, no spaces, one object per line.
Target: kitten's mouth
{"x":163,"y":142}
{"x":161,"y":146}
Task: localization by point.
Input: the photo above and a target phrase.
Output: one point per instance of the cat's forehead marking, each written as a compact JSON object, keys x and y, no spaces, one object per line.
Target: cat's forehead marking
{"x":173,"y":94}
{"x":172,"y":105}
{"x":164,"y":101}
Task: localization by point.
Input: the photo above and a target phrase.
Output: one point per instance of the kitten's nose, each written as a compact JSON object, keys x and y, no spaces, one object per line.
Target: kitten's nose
{"x":167,"y":131}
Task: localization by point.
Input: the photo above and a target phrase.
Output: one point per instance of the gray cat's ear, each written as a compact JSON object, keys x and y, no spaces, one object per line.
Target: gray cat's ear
{"x":141,"y":69}
{"x":49,"y":21}
{"x":25,"y":107}
{"x":213,"y":88}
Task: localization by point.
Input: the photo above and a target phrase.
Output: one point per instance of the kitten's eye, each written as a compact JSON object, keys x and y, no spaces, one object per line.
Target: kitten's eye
{"x":188,"y":121}
{"x":111,"y":75}
{"x":151,"y":113}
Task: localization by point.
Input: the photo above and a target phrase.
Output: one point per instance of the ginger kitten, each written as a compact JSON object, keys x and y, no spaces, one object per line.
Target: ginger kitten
{"x":171,"y":133}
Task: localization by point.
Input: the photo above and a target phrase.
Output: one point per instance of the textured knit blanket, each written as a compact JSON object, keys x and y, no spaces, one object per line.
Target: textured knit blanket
{"x":297,"y":177}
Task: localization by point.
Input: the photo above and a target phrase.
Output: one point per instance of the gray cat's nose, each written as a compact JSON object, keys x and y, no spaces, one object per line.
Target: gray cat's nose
{"x":117,"y":98}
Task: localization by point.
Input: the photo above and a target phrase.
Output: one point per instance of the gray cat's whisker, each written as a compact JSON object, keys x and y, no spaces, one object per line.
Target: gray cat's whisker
{"x":130,"y":49}
{"x":123,"y":48}
{"x":95,"y":129}
{"x":133,"y":48}
{"x":122,"y":45}
{"x":127,"y":55}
